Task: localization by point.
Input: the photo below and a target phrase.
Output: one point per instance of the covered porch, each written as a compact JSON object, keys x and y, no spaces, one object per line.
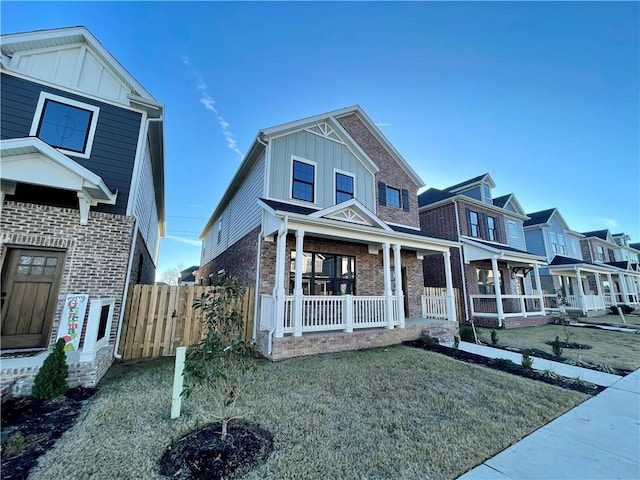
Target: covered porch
{"x":590,"y":288}
{"x":499,"y":282}
{"x":342,"y":269}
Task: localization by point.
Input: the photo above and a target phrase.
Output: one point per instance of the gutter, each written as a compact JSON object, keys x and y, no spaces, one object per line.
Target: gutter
{"x":123,"y":302}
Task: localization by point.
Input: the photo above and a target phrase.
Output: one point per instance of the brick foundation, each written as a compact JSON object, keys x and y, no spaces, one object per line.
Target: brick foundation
{"x":315,"y":343}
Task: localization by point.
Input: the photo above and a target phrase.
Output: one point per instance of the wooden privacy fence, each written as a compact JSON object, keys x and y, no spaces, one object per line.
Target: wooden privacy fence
{"x":158,"y":319}
{"x":457,"y":298}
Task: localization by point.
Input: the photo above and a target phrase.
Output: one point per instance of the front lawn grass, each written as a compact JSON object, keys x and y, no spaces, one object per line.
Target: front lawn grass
{"x":397,"y":412}
{"x":633,"y":321}
{"x":612,"y":349}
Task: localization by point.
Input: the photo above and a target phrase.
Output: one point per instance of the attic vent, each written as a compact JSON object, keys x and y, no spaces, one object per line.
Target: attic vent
{"x":325,"y":130}
{"x":349,"y":215}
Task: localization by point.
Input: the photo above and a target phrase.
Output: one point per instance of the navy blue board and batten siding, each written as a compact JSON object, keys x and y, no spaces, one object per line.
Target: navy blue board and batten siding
{"x":114,"y":145}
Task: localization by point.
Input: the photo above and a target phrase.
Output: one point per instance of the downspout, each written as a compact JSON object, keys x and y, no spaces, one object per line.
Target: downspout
{"x":256,"y":300}
{"x":282,"y":231}
{"x":464,"y":277}
{"x":123,"y":303}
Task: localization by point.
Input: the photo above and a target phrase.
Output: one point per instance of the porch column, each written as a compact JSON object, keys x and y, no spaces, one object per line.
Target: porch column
{"x":623,"y":287}
{"x":297,"y":316}
{"x":397,"y":266}
{"x":496,"y":289}
{"x":614,"y":301}
{"x":583,"y":305}
{"x":386,"y":268}
{"x":599,"y":290}
{"x":536,"y":275}
{"x":451,"y":306}
{"x":281,"y":250}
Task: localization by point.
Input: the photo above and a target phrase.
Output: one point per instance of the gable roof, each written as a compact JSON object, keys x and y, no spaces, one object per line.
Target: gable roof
{"x":470,"y":182}
{"x":433,"y":195}
{"x":635,"y":246}
{"x":259,"y":145}
{"x":501,"y":201}
{"x":602,"y":234}
{"x":538,"y":218}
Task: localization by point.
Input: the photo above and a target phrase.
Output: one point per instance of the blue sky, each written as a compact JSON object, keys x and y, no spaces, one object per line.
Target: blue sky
{"x":544,"y":95}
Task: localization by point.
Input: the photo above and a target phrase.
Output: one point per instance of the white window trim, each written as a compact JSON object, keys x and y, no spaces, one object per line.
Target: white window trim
{"x":513,"y":234}
{"x":315,"y":179}
{"x":219,"y":232}
{"x":73,"y":103}
{"x":335,"y":186}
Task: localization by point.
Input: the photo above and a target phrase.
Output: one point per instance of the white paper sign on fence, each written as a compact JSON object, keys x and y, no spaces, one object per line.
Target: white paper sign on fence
{"x":75,"y":306}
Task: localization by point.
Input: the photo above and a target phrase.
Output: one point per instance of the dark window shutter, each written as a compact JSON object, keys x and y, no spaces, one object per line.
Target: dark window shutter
{"x":468,"y":210}
{"x":405,"y":200}
{"x":382,"y":193}
{"x":482,"y":220}
{"x":497,"y":224}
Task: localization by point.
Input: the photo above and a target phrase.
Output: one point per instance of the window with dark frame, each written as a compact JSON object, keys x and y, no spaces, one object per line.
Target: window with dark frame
{"x":600,"y":253}
{"x":64,"y":126}
{"x":303,"y":181}
{"x":324,"y":274}
{"x":344,"y":187}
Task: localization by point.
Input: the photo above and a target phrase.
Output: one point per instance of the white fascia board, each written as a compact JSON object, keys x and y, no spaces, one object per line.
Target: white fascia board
{"x":514,"y":201}
{"x":29,"y":146}
{"x":583,"y":268}
{"x":366,"y":160}
{"x":473,"y":201}
{"x":385,"y":142}
{"x":485,"y":178}
{"x":297,"y":124}
{"x":236,"y":181}
{"x":356,"y":205}
{"x":18,"y":42}
{"x":348,"y":231}
{"x":489,"y":252}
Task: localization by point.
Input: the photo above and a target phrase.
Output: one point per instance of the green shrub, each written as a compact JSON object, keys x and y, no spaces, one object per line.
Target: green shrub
{"x":51,"y":380}
{"x":223,"y":357}
{"x":456,"y":341}
{"x":428,"y":339}
{"x":466,"y":334}
{"x":527,"y":361}
{"x":14,"y":445}
{"x":494,"y":337}
{"x":557,"y":347}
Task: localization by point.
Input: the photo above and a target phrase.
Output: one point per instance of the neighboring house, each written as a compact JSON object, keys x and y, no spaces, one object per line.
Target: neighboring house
{"x":583,"y":282}
{"x":187,"y":277}
{"x":497,"y":275}
{"x":82,"y":167}
{"x":628,"y":252}
{"x":322,"y":217}
{"x":600,"y":246}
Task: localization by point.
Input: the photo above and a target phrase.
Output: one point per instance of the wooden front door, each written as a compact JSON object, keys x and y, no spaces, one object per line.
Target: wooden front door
{"x":30,"y":282}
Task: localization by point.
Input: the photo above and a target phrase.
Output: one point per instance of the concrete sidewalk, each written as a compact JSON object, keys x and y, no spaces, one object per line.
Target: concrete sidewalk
{"x":598,"y":439}
{"x":569,"y":371}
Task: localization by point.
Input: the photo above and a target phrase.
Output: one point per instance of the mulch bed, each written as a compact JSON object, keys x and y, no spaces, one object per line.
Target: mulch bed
{"x":203,"y":455}
{"x":572,"y":345}
{"x":30,"y":427}
{"x":507,"y":366}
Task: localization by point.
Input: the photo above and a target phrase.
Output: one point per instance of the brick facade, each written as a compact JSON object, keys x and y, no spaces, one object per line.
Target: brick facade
{"x":95,"y":262}
{"x":143,"y":270}
{"x":390,"y":172}
{"x":239,"y":260}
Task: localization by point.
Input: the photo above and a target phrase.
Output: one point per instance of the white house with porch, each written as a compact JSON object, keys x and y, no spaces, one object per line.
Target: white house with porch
{"x":322,"y":218}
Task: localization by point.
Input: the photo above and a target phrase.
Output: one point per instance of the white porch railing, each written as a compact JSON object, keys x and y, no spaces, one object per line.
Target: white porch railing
{"x":608,"y":301}
{"x":434,"y":306}
{"x":591,"y":302}
{"x":512,"y":306}
{"x":333,"y":312}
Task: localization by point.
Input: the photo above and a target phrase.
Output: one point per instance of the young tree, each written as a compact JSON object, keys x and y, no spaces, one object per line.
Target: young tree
{"x":171,"y":276}
{"x":223,"y":357}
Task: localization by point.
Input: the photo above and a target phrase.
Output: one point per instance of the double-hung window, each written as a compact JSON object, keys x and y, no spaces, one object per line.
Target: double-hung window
{"x":474,"y":224}
{"x":344,"y":187}
{"x":600,"y":253}
{"x":65,"y":124}
{"x":491,"y":228}
{"x":393,"y":197}
{"x":303,"y":184}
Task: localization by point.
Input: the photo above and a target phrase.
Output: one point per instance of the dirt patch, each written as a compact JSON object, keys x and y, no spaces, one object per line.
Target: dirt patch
{"x":510,"y":367}
{"x":30,"y":427}
{"x":203,"y":455}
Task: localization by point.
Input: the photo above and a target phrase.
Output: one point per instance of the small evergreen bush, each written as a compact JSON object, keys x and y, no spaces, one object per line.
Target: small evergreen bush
{"x":527,"y":361}
{"x":466,"y":334}
{"x":494,"y":337}
{"x":51,"y":380}
{"x":557,"y":347}
{"x":626,"y":309}
{"x":456,"y":341}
